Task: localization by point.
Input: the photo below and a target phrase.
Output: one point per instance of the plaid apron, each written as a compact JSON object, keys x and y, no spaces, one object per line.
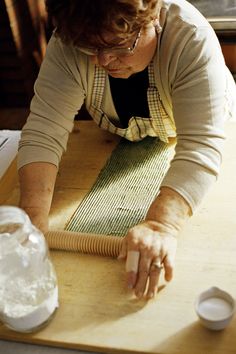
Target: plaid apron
{"x":158,"y":125}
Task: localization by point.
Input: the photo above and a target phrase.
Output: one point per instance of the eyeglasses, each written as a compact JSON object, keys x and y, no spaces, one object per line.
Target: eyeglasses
{"x":116,"y":51}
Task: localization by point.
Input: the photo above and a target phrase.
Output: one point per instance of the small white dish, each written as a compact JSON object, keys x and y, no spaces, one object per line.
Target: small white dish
{"x":215,"y":308}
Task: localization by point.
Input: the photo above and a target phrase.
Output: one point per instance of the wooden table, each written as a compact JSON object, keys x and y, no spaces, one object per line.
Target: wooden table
{"x":96,"y":310}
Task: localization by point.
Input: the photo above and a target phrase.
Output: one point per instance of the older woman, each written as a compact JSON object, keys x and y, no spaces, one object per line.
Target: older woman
{"x":143,"y":68}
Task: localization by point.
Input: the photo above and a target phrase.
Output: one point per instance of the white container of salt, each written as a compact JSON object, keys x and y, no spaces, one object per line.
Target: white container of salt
{"x":215,"y":308}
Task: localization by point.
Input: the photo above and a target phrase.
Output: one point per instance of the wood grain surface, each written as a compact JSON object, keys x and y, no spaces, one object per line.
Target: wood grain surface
{"x":96,"y":310}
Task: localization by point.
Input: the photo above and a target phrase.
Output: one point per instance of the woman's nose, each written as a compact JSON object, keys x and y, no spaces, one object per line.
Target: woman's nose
{"x":103,"y":59}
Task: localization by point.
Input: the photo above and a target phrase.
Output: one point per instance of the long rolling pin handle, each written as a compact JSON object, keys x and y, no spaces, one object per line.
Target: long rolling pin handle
{"x":103,"y":245}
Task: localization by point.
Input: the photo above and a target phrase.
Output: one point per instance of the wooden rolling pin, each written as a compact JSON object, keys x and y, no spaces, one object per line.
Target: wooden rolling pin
{"x":83,"y":242}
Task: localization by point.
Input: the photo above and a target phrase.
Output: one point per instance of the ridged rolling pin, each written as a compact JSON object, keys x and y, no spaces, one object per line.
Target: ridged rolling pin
{"x":103,"y":245}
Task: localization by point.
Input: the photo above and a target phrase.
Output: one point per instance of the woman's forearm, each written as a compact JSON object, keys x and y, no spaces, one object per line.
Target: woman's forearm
{"x":37,"y":182}
{"x":169,"y":209}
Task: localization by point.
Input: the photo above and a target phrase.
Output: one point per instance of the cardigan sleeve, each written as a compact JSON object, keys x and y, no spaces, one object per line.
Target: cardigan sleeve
{"x":197,"y":86}
{"x":58,"y":95}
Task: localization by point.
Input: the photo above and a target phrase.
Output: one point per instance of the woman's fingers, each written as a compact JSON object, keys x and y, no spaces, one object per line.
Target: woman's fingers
{"x":169,"y":267}
{"x":142,"y":275}
{"x":147,"y":250}
{"x":132,"y":266}
{"x":154,"y":275}
{"x":169,"y":259}
{"x":144,"y":267}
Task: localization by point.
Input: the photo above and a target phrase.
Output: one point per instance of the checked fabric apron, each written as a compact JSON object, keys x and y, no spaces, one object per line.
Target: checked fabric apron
{"x":157,"y":125}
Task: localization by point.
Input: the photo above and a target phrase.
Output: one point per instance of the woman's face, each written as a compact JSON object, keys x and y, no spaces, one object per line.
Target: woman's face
{"x":125,"y":66}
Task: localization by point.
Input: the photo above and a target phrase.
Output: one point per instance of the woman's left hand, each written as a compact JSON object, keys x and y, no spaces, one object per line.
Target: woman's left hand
{"x":148,"y":247}
{"x":152,"y":244}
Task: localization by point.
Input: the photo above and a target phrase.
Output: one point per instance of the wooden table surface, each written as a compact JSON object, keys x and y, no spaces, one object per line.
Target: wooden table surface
{"x":96,"y":310}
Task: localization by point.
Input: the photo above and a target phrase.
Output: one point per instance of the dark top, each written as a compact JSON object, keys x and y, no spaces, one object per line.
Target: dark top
{"x":130,"y":96}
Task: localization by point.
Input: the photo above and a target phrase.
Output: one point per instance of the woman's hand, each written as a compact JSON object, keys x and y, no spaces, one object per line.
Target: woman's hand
{"x":151,"y":245}
{"x":147,"y":247}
